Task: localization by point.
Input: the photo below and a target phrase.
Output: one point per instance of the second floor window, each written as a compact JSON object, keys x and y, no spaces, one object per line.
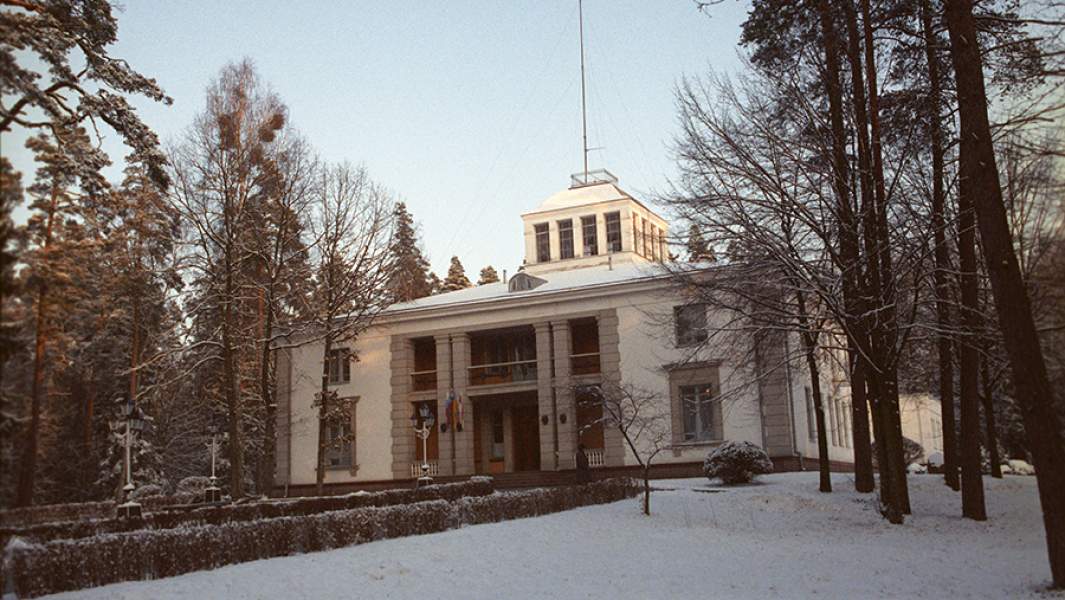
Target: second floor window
{"x":543,"y":243}
{"x":690,"y":322}
{"x":591,"y":237}
{"x":338,"y":366}
{"x":565,"y":238}
{"x":613,"y":232}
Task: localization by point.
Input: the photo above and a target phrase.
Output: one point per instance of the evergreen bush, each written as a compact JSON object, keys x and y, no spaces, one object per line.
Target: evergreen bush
{"x":737,"y":462}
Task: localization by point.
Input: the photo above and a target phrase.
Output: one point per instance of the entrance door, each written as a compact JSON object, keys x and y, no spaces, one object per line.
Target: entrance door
{"x":526,"y":438}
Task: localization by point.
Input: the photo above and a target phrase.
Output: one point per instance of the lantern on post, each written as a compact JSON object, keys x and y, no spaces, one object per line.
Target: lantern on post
{"x":212,"y":493}
{"x":425,"y":415}
{"x":133,"y":420}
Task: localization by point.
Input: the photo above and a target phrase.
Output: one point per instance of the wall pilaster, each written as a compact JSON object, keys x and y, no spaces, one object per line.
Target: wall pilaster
{"x":566,"y":413}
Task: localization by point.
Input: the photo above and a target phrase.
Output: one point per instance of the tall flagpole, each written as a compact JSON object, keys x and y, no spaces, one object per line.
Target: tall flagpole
{"x":584,"y":109}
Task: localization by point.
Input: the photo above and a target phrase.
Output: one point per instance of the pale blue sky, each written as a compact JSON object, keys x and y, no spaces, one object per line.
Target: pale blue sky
{"x":468,"y":111}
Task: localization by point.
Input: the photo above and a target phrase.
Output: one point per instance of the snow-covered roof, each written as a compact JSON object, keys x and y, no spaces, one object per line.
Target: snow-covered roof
{"x":582,"y":196}
{"x":555,"y":281}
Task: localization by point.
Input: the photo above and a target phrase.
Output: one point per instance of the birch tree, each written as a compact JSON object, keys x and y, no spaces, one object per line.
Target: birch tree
{"x":352,"y":264}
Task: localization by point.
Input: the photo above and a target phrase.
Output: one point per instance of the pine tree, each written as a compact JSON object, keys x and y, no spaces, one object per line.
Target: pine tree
{"x":410,"y":280}
{"x":488,"y":275}
{"x":456,"y":277}
{"x":40,"y":39}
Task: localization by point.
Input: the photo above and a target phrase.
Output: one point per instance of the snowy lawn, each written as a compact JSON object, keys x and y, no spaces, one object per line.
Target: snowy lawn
{"x":777,"y":538}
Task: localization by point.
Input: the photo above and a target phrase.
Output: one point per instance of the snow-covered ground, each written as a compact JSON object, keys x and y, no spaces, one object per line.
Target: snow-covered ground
{"x":779,"y":538}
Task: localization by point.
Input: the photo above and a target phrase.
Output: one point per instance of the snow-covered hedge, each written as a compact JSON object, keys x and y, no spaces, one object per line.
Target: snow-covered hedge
{"x":737,"y":462}
{"x":62,"y":565}
{"x":266,"y":509}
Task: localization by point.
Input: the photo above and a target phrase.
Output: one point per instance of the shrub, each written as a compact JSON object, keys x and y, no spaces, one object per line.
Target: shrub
{"x":737,"y":462}
{"x":911,"y":451}
{"x":150,"y":490}
{"x":63,"y":565}
{"x":194,"y":485}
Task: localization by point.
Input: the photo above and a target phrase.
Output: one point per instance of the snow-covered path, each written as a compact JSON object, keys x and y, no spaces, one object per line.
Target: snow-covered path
{"x":780,"y":538}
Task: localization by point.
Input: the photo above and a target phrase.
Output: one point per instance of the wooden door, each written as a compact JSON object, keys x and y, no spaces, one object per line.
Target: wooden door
{"x":526,"y":438}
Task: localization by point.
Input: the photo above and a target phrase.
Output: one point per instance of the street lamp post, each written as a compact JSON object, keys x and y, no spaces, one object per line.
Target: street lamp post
{"x":134,"y":422}
{"x":212,"y":493}
{"x":423,"y":433}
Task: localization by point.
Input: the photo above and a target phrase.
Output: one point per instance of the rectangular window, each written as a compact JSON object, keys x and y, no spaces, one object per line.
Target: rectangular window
{"x":654,"y":242}
{"x":590,"y":234}
{"x":811,"y":415}
{"x":831,"y":419}
{"x":663,"y":251}
{"x":338,"y":367}
{"x":697,"y":412}
{"x":543,"y":243}
{"x":690,"y":323}
{"x":644,"y":242}
{"x":635,"y":233}
{"x":613,"y":232}
{"x":340,"y":437}
{"x":565,"y":238}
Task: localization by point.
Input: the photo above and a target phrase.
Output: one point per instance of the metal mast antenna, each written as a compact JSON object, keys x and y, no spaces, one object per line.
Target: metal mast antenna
{"x":584,"y":109}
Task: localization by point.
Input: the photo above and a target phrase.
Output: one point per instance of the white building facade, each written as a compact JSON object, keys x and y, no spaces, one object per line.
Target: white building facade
{"x":502,"y":366}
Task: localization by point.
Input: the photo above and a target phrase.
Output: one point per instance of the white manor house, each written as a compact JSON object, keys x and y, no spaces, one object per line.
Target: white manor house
{"x":499,"y":366}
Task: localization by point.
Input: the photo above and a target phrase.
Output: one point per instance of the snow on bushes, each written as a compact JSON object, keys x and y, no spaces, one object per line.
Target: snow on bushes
{"x":216,"y":515}
{"x":63,"y":565}
{"x":193,"y":485}
{"x":737,"y":462}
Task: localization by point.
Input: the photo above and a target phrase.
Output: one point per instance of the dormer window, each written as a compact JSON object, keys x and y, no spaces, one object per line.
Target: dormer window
{"x":543,"y":243}
{"x":613,"y":232}
{"x":565,"y":238}
{"x":590,"y":234}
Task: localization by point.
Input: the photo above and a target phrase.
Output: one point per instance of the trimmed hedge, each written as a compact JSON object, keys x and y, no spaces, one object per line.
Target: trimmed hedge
{"x":63,"y":565}
{"x":251,"y":511}
{"x":104,"y":509}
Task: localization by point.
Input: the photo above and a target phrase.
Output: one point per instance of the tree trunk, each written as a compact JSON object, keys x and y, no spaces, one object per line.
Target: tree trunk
{"x":942,"y":255}
{"x":809,"y":347}
{"x":232,"y":393}
{"x":849,"y":249}
{"x":989,"y":420}
{"x":977,"y":164}
{"x":28,"y":472}
{"x":647,"y":489}
{"x":863,"y":453}
{"x":266,"y":391}
{"x":323,"y":411}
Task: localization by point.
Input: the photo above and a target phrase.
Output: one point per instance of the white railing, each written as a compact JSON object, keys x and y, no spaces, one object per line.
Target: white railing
{"x":595,"y":458}
{"x":416,"y":469}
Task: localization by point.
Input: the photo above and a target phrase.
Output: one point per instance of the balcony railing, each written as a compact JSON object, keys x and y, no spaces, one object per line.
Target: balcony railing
{"x":416,"y":469}
{"x":584,"y":364}
{"x":595,"y":458}
{"x":422,"y":381}
{"x":508,"y":372}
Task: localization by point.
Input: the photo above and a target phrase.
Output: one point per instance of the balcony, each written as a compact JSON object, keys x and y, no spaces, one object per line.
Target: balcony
{"x":584,"y":364}
{"x":423,"y":381}
{"x":508,"y":372}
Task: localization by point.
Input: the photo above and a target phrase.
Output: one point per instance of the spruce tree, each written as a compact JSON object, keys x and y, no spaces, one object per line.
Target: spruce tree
{"x":411,"y":277}
{"x":488,"y":275}
{"x":698,"y":249}
{"x":456,"y":277}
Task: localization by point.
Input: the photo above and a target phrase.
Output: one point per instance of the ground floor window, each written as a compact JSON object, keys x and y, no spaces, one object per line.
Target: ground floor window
{"x":695,"y":398}
{"x":340,"y":435}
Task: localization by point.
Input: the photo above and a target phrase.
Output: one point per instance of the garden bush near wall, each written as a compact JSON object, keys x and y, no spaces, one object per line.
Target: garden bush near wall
{"x":62,"y":565}
{"x":50,"y":513}
{"x":269,"y":509}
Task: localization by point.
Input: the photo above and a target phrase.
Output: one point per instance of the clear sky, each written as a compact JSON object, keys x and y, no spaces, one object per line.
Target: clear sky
{"x":468,"y":111}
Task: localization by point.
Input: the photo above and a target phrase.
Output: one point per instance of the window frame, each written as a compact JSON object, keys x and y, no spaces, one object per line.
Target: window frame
{"x":347,"y":449}
{"x":340,"y":358}
{"x":613,"y":231}
{"x":542,"y":235}
{"x":704,"y":375}
{"x":590,"y":244}
{"x":565,"y":234}
{"x":685,"y":339}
